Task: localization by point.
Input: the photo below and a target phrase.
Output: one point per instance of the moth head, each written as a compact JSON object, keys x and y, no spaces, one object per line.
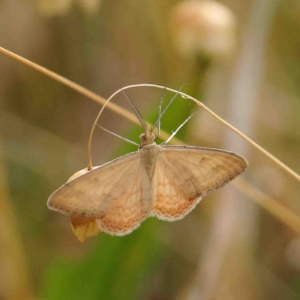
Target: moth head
{"x":147,"y":138}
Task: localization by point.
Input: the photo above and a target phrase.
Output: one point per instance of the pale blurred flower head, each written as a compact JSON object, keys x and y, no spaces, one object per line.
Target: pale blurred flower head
{"x":203,"y":27}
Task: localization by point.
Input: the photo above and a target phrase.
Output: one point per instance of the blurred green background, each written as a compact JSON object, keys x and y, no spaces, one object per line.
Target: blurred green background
{"x":241,"y":58}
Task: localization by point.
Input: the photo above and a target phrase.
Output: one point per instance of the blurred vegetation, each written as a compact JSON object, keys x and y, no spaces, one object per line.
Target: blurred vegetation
{"x":104,"y":45}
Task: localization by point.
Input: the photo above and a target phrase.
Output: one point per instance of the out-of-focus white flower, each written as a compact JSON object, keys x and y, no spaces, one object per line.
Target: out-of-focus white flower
{"x":203,"y":26}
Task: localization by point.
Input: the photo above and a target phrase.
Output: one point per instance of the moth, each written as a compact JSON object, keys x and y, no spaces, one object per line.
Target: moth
{"x":162,"y":181}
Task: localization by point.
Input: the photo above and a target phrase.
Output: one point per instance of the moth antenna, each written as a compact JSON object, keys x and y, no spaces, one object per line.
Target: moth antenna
{"x":136,"y":112}
{"x":90,"y":165}
{"x":120,"y":137}
{"x":159,"y":111}
{"x":179,"y":127}
{"x":159,"y":118}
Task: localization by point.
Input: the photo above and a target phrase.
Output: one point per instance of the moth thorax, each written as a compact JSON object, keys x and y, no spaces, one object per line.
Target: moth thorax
{"x":148,"y":156}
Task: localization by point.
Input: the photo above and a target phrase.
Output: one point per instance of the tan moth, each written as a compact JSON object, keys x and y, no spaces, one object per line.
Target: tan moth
{"x":163,"y":181}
